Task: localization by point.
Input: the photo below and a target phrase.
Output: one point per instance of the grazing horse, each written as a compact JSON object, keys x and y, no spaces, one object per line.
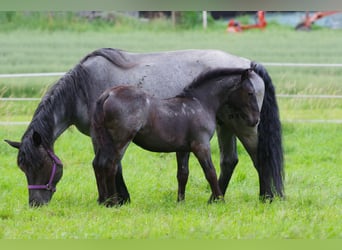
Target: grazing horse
{"x":71,"y":101}
{"x":185,"y":123}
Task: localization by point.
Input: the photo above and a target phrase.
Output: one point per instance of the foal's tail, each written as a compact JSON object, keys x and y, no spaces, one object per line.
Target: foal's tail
{"x":270,"y":149}
{"x":101,"y":135}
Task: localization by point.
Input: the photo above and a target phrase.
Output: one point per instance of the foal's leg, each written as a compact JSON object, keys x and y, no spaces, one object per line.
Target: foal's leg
{"x":101,"y":183}
{"x":99,"y":175}
{"x":109,"y":184}
{"x":105,"y":170}
{"x":123,"y":194}
{"x":107,"y":164}
{"x":106,"y":182}
{"x":203,"y":154}
{"x":114,"y":197}
{"x":182,"y":173}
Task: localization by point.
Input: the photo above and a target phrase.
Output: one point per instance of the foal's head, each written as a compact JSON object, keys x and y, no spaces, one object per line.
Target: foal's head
{"x":243,"y":98}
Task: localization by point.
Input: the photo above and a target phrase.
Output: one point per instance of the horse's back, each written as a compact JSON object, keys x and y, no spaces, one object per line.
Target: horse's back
{"x":163,"y":74}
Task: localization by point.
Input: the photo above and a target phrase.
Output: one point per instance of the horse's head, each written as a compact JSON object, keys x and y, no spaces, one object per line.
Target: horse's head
{"x":41,"y":166}
{"x":244,"y":99}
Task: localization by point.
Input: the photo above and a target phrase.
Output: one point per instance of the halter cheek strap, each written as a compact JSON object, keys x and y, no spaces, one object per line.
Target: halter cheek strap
{"x":49,"y":185}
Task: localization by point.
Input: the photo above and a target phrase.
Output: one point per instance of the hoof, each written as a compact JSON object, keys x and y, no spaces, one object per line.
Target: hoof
{"x":218,"y":199}
{"x":113,"y":201}
{"x":181,"y":198}
{"x":266,"y":198}
{"x":124,"y":201}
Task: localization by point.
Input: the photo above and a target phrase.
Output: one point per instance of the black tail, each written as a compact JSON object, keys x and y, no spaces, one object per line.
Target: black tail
{"x":270,"y":149}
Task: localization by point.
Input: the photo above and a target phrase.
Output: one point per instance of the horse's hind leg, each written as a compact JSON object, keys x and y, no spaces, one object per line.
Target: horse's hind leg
{"x":107,"y":164}
{"x":100,"y":182}
{"x":105,"y":171}
{"x":182,"y":173}
{"x":123,"y":194}
{"x":104,"y":183}
{"x":203,"y":154}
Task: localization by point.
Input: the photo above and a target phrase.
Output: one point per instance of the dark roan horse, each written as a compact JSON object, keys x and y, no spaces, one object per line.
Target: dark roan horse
{"x":71,"y":101}
{"x":182,"y":124}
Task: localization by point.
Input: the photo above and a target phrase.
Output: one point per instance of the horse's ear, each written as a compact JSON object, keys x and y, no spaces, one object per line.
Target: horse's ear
{"x":13,"y":144}
{"x":253,"y":66}
{"x":245,"y":74}
{"x":37,"y":139}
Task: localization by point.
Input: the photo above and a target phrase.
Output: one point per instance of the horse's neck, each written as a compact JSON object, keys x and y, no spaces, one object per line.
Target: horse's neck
{"x":53,"y":116}
{"x":50,"y":125}
{"x":62,"y":120}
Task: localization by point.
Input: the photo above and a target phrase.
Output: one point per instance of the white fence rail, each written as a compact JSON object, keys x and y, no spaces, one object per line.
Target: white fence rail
{"x":20,"y":75}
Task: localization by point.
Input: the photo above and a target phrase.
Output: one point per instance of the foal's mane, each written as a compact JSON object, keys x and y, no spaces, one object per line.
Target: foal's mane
{"x":204,"y":77}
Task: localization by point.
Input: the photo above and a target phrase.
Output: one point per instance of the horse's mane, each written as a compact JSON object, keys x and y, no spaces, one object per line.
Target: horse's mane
{"x":73,"y":83}
{"x":61,"y":93}
{"x":204,"y":77}
{"x":115,"y":56}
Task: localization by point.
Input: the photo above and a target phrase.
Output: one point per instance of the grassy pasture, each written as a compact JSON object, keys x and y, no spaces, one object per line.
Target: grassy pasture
{"x":313,"y":153}
{"x":312,"y":208}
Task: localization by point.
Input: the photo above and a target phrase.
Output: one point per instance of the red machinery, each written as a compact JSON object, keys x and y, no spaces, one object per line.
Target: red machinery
{"x":234,"y":26}
{"x":309,"y":20}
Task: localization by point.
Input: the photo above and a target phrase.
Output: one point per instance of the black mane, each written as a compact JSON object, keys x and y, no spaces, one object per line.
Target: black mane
{"x":61,"y":94}
{"x":208,"y":75}
{"x":115,"y":56}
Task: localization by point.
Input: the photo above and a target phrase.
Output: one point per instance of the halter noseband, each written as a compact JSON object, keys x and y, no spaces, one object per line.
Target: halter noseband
{"x":49,"y":185}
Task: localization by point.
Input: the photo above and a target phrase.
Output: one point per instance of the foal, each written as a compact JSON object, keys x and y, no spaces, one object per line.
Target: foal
{"x":182,"y":124}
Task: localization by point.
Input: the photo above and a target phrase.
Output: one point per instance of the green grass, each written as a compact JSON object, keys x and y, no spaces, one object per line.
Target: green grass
{"x":312,"y":209}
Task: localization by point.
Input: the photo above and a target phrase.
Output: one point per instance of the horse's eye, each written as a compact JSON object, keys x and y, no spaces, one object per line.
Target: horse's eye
{"x":21,"y":158}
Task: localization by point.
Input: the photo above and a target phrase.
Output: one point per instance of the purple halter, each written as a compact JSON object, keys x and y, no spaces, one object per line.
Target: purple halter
{"x":49,"y":185}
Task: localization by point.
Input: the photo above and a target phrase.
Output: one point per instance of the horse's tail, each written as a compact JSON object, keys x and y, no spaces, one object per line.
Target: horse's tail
{"x":270,"y":149}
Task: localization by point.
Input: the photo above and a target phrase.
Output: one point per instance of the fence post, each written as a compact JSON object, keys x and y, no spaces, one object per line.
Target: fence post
{"x":205,"y":19}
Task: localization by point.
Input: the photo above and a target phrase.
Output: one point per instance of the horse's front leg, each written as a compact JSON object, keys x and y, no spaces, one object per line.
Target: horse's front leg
{"x":203,"y":154}
{"x":228,"y":155}
{"x":249,"y":139}
{"x":182,"y":173}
